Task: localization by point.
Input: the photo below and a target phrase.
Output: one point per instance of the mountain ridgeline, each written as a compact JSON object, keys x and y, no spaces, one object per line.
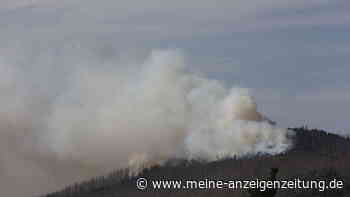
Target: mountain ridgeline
{"x":316,"y":155}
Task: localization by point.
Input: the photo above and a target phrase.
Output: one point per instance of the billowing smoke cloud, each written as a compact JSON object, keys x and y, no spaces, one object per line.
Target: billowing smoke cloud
{"x":98,"y":119}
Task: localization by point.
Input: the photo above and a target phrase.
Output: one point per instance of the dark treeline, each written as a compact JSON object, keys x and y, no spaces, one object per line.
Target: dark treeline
{"x":316,"y":155}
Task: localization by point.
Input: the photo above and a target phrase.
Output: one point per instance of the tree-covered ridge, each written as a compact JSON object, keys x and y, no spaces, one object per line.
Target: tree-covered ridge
{"x":316,"y":155}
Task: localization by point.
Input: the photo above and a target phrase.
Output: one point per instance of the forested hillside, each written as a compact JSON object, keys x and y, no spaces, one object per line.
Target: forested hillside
{"x":316,"y":155}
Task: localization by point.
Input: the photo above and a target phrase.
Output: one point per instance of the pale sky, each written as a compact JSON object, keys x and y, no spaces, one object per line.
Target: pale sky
{"x":293,"y":54}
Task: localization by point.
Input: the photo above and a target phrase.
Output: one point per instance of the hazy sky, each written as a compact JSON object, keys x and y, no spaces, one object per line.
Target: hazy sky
{"x":294,"y":54}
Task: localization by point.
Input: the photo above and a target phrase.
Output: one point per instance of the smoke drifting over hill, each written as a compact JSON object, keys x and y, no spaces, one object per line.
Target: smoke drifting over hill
{"x":100,"y":119}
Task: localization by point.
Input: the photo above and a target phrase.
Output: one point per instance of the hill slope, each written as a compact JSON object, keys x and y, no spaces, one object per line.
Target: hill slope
{"x":315,"y":155}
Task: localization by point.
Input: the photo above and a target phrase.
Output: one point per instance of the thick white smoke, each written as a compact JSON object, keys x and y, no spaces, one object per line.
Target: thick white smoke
{"x":104,"y":119}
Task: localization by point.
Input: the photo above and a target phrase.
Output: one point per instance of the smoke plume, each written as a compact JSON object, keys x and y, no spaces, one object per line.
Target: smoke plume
{"x":98,"y":119}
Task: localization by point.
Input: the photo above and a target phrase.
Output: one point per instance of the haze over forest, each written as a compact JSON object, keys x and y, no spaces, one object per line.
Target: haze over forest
{"x":83,"y":81}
